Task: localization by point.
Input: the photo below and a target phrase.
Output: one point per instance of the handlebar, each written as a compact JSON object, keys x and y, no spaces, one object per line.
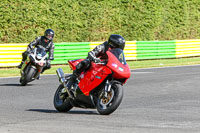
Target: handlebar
{"x":96,"y":60}
{"x":101,"y":63}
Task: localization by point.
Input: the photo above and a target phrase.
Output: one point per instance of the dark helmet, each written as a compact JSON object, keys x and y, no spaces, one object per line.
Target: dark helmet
{"x":116,"y":41}
{"x":49,"y":34}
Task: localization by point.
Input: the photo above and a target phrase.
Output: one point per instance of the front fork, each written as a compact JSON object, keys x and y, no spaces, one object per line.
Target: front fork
{"x":39,"y":70}
{"x":107,"y":88}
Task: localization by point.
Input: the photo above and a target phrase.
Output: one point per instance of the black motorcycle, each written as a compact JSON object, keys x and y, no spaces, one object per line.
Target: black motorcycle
{"x":32,"y":67}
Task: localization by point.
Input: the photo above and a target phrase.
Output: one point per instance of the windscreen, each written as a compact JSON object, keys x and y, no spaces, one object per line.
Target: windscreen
{"x":41,"y":52}
{"x":119,"y":54}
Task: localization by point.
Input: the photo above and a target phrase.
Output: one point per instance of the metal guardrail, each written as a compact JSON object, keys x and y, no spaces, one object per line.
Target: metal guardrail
{"x":187,"y":48}
{"x":10,"y":54}
{"x":70,"y":51}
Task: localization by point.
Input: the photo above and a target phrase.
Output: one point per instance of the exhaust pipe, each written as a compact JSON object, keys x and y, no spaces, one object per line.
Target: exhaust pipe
{"x":61,"y":75}
{"x":62,"y":80}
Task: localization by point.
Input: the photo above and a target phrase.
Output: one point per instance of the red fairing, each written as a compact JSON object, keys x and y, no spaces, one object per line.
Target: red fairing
{"x":93,"y":77}
{"x":73,"y":63}
{"x":120,"y":71}
{"x":97,"y":73}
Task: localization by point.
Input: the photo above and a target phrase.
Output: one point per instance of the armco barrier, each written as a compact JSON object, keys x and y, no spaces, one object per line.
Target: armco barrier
{"x":10,"y":54}
{"x":69,"y":51}
{"x":186,"y":48}
{"x":156,"y":49}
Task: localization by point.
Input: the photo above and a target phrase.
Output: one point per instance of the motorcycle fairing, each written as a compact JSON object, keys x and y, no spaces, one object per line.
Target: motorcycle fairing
{"x":121,"y":71}
{"x":37,"y":54}
{"x":93,"y":77}
{"x":73,"y":63}
{"x":81,"y":100}
{"x":97,"y":73}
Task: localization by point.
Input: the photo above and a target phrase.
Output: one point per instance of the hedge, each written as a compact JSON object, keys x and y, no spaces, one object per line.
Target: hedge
{"x":94,"y":20}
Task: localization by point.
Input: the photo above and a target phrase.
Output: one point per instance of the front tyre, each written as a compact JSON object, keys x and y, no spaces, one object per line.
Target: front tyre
{"x":62,"y":104}
{"x":107,"y":105}
{"x":29,"y":75}
{"x":23,"y":82}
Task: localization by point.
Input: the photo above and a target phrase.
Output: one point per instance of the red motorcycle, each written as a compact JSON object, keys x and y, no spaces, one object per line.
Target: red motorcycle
{"x":99,"y":87}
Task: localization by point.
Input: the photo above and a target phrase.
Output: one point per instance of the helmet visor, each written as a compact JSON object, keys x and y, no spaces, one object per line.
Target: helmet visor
{"x":111,"y":45}
{"x":49,"y":37}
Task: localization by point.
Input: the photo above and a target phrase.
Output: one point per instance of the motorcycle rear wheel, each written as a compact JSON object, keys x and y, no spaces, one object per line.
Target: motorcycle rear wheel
{"x":107,"y":105}
{"x":61,"y":105}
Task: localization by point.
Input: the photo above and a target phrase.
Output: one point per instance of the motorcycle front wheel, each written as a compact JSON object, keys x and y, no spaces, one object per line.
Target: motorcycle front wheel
{"x":29,"y":73}
{"x":107,"y":105}
{"x":61,"y":103}
{"x":23,"y":82}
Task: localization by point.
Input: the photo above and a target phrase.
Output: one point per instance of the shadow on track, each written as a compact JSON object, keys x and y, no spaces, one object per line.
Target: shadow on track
{"x":69,"y":112}
{"x":14,"y":85}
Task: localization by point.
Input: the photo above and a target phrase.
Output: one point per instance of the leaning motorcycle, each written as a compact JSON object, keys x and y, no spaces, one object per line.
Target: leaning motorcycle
{"x":100,"y":87}
{"x":32,"y":67}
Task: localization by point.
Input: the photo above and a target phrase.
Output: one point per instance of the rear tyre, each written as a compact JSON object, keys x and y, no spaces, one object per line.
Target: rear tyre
{"x":62,"y":104}
{"x":107,"y":105}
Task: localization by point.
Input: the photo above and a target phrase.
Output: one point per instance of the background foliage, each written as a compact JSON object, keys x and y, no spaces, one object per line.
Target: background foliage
{"x":94,"y":20}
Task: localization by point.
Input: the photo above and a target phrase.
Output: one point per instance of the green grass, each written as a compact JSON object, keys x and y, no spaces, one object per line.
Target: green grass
{"x":6,"y":72}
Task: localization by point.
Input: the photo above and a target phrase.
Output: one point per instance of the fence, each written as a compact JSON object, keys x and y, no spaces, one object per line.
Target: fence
{"x":10,"y":54}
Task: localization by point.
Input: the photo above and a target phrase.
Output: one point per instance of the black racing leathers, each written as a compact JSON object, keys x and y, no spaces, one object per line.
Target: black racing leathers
{"x":98,"y":51}
{"x":40,"y":42}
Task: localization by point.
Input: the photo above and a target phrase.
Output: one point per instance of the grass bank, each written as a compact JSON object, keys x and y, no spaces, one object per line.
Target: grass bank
{"x":6,"y":72}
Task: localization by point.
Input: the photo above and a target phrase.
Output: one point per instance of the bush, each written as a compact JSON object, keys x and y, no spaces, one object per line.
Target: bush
{"x":94,"y":20}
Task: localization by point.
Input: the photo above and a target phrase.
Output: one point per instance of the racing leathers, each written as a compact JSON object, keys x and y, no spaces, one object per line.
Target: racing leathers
{"x":40,"y":42}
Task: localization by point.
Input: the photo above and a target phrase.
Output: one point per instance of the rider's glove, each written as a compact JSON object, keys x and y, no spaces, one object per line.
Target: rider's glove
{"x":29,"y":50}
{"x":97,"y":60}
{"x":93,"y":58}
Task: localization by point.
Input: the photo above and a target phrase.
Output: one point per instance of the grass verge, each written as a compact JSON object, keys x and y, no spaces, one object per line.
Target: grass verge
{"x":7,"y":72}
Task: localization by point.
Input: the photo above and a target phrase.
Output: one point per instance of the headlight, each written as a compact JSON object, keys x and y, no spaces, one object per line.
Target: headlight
{"x":39,"y":56}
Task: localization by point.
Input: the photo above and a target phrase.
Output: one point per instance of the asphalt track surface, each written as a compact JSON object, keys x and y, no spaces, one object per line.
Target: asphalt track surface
{"x":159,"y":100}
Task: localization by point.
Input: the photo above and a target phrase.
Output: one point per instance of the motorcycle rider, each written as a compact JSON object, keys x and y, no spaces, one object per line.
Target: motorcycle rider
{"x":114,"y":41}
{"x":45,"y":42}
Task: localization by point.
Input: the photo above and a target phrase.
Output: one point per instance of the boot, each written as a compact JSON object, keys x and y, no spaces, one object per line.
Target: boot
{"x":43,"y":70}
{"x":20,"y":65}
{"x":24,"y":56}
{"x":38,"y":77}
